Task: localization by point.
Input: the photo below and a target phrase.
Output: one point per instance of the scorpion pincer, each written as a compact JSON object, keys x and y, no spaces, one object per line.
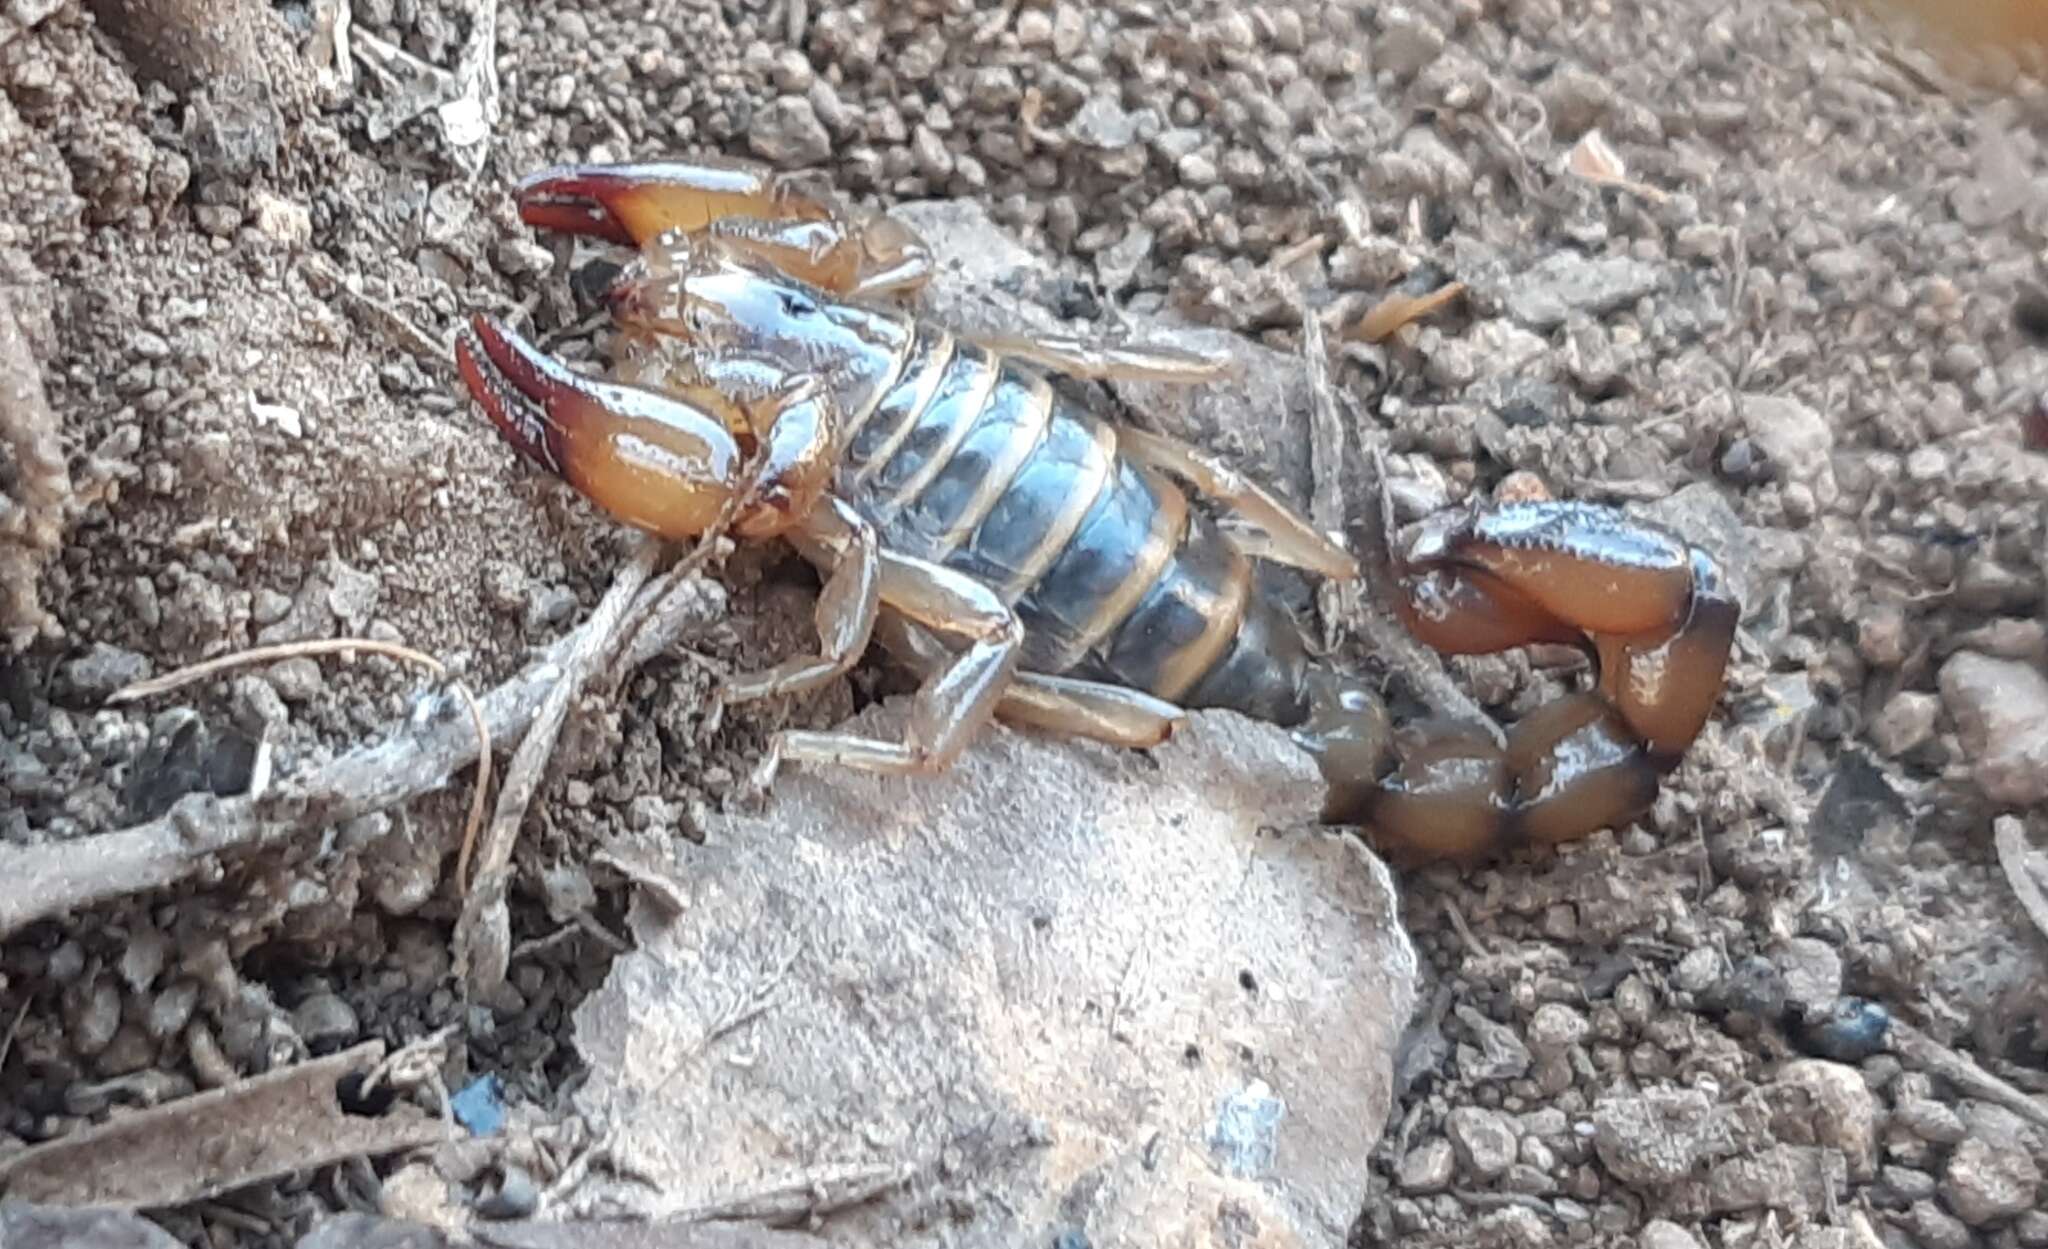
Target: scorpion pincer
{"x":1035,"y":560}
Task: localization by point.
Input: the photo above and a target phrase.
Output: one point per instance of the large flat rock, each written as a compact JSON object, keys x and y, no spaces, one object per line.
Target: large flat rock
{"x":1137,"y":997}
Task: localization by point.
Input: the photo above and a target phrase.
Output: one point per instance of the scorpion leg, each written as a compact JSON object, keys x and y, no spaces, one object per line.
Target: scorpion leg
{"x":747,"y":208}
{"x":1111,"y":714}
{"x":1287,"y":537}
{"x":953,"y":703}
{"x":1655,"y":613}
{"x":1095,"y":361}
{"x":845,"y":613}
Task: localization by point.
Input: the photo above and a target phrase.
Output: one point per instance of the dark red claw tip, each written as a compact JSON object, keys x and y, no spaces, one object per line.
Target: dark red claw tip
{"x":572,"y":200}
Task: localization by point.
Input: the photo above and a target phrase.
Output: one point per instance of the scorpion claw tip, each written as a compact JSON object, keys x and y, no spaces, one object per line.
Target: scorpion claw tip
{"x":573,"y":199}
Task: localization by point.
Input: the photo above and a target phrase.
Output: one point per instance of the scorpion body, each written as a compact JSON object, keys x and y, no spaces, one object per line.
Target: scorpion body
{"x":1039,"y":561}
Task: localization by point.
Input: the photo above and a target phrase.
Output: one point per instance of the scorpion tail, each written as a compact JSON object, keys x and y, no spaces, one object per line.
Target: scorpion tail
{"x":1657,"y":615}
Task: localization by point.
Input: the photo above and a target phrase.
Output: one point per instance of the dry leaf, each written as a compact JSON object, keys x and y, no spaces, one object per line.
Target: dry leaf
{"x":1397,"y":310}
{"x":1593,"y":159}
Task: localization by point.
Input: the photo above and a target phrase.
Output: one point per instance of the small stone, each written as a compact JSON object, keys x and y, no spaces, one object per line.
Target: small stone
{"x":517,"y":1196}
{"x":1935,"y":1228}
{"x":1930,"y":1121}
{"x":1907,"y":1183}
{"x":1796,"y":1178}
{"x":1906,"y":723}
{"x":1660,"y":1136}
{"x":172,"y":1010}
{"x":297,"y":680}
{"x":326,"y":1023}
{"x":2000,"y":707}
{"x":1984,"y":1184}
{"x":1795,"y":439}
{"x":1664,"y":1234}
{"x":97,"y":1017}
{"x":1500,"y":1054}
{"x":102,"y":670}
{"x":1881,"y":635}
{"x":1812,"y":971}
{"x":787,"y":133}
{"x":1484,"y":1140}
{"x":1566,"y":283}
{"x":1555,"y":1028}
{"x":1407,"y":43}
{"x":548,"y":606}
{"x":1827,"y":1104}
{"x":1428,"y":1167}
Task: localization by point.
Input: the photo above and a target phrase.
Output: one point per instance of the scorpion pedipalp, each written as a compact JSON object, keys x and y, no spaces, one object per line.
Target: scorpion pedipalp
{"x":742,"y":207}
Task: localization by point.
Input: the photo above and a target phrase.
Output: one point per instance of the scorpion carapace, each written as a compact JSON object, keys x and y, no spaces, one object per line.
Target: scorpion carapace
{"x":1037,"y":561}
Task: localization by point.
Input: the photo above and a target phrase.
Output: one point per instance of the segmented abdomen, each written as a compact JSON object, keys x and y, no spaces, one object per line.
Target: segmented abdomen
{"x":973,"y":462}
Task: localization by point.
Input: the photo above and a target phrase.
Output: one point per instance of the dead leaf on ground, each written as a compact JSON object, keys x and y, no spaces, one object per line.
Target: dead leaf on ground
{"x":1396,"y":310}
{"x":1593,"y":159}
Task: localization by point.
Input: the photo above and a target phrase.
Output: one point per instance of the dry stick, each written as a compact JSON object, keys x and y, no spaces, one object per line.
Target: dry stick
{"x":2010,"y":836}
{"x":483,"y":934}
{"x":416,"y":759}
{"x":347,"y":646}
{"x":1337,"y":602}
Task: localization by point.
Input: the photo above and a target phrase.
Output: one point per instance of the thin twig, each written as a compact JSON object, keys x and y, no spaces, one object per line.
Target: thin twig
{"x":2010,"y":837}
{"x":415,"y":758}
{"x":1336,"y":602}
{"x":1916,"y":1049}
{"x":482,"y":935}
{"x":332,"y":646}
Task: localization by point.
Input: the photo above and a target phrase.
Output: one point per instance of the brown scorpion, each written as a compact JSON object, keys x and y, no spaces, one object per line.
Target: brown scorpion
{"x":1032,"y":558}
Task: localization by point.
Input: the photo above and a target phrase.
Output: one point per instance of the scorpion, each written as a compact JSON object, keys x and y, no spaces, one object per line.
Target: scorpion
{"x":1034,"y":559}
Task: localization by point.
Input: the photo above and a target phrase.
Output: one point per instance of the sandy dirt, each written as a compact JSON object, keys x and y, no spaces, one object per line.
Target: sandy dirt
{"x":1790,"y":330}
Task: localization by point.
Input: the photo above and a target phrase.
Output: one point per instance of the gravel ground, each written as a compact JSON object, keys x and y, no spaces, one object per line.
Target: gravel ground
{"x":1791,"y":330}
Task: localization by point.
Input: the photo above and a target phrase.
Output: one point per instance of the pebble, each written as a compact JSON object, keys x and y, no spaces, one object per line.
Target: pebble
{"x":1566,"y":283}
{"x":1795,"y":439}
{"x":1484,"y":1139}
{"x":1659,"y":1136}
{"x":297,"y":680}
{"x":1812,"y":972}
{"x":787,"y":133}
{"x":1985,"y":1184}
{"x":1664,"y":1234}
{"x":102,"y":670}
{"x":1428,"y":1167}
{"x":2000,"y":707}
{"x":1929,"y":1120}
{"x":1500,"y":1054}
{"x":1906,"y":723}
{"x":1407,"y":44}
{"x":1935,"y":1228}
{"x":326,"y":1023}
{"x":1827,"y":1104}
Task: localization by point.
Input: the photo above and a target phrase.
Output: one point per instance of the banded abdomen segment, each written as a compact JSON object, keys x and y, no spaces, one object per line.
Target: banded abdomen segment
{"x":973,"y":462}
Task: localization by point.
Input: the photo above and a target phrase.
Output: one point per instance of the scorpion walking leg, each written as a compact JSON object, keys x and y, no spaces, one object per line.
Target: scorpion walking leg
{"x":845,"y":613}
{"x":1288,"y":537}
{"x":953,"y":703}
{"x":1111,"y":714}
{"x":1109,"y":362}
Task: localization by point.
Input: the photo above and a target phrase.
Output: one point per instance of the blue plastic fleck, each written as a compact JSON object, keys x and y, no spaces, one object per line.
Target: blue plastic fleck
{"x":1245,"y":1133}
{"x":479,"y":1106}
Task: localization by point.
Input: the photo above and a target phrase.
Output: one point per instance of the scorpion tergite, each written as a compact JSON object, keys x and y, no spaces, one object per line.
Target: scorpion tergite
{"x":1035,"y":559}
